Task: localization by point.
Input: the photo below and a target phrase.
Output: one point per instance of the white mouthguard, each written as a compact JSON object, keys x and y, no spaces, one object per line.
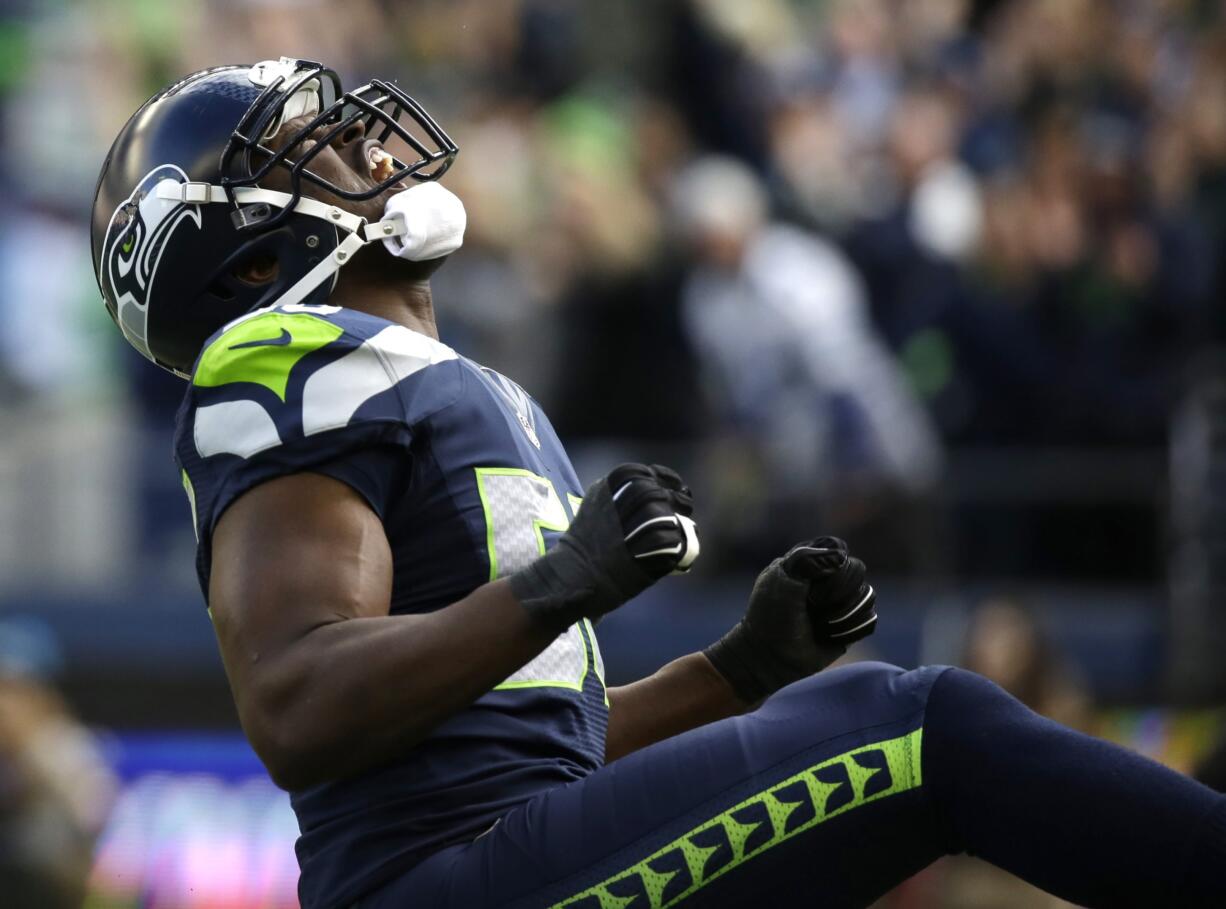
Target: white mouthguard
{"x":434,"y":220}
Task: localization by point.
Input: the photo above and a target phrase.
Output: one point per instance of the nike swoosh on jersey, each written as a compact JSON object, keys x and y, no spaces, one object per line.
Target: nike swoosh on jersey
{"x":281,"y":341}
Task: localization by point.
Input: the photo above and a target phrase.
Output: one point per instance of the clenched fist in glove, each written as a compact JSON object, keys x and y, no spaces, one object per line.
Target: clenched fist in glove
{"x":632,"y":529}
{"x":654,"y":507}
{"x":805,"y":609}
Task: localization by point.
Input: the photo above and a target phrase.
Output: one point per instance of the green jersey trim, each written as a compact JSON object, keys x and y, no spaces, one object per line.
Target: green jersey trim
{"x":263,"y":350}
{"x":191,"y":500}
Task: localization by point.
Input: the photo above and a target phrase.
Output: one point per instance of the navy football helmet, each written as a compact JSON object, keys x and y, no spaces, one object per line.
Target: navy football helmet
{"x":180,"y":206}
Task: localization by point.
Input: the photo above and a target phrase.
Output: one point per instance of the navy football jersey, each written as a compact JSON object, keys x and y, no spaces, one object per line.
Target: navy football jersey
{"x":471,"y":483}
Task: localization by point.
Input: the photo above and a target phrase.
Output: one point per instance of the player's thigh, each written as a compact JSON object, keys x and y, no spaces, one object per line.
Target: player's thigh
{"x":817,"y":795}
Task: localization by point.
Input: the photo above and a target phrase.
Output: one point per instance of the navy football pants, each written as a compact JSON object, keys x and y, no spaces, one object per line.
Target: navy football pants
{"x":835,"y":790}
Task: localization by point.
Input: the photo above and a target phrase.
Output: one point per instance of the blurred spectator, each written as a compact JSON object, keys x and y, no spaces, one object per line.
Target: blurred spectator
{"x":55,"y":789}
{"x":1005,"y":643}
{"x":795,"y":369}
{"x":624,"y":371}
{"x":779,"y":317}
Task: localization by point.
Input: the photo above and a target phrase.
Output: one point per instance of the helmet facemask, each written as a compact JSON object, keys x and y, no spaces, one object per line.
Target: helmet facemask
{"x":297,"y":88}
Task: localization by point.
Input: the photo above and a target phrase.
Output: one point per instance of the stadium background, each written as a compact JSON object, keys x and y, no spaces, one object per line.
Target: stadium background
{"x":940,"y":276}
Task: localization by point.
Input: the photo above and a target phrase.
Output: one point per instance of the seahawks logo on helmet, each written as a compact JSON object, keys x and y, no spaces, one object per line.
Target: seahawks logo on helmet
{"x":132,"y":250}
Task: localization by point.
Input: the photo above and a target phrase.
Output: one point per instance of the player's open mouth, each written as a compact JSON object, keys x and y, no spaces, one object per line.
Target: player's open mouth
{"x":381,"y":164}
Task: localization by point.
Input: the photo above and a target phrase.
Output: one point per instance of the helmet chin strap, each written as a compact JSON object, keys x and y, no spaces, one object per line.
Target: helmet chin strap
{"x":361,"y":231}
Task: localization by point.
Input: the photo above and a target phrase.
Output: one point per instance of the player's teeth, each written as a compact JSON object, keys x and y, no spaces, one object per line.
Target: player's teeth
{"x":381,"y":164}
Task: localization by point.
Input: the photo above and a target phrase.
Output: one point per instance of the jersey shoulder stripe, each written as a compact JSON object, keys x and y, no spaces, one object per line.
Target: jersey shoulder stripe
{"x":263,"y":350}
{"x":277,"y":375}
{"x":333,"y":394}
{"x":241,"y":428}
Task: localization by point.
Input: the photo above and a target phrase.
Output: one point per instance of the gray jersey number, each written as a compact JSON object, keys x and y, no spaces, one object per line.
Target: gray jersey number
{"x":519,"y":506}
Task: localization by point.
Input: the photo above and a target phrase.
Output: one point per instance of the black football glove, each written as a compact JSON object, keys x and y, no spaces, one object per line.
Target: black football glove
{"x":655,"y":508}
{"x":632,"y":529}
{"x":805,"y":609}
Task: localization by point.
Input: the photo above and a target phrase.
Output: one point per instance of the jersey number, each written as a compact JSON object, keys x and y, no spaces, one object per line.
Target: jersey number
{"x":519,"y":507}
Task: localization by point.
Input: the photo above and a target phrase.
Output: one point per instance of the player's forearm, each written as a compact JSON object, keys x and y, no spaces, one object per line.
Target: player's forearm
{"x":358,"y":692}
{"x":685,"y":694}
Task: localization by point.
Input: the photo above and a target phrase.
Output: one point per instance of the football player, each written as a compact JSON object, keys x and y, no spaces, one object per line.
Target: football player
{"x":405,"y":575}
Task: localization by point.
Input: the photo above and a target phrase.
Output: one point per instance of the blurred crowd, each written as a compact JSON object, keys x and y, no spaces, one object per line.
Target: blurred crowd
{"x":808,"y":250}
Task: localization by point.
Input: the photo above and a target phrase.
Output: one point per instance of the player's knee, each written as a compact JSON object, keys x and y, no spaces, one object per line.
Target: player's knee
{"x":966,"y":712}
{"x":960,"y":690}
{"x":868,"y":689}
{"x":872,"y":669}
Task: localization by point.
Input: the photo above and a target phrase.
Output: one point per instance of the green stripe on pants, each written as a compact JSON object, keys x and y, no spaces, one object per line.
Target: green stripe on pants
{"x":785,"y":810}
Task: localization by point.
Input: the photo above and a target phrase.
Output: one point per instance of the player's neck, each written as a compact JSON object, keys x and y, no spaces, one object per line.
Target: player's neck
{"x":407,"y":304}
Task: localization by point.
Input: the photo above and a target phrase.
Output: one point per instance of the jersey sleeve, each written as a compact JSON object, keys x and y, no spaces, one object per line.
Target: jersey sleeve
{"x":290,"y":392}
{"x":378,"y":473}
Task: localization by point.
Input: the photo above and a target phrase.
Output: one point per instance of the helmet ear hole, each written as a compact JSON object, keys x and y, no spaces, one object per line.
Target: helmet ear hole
{"x":258,"y":269}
